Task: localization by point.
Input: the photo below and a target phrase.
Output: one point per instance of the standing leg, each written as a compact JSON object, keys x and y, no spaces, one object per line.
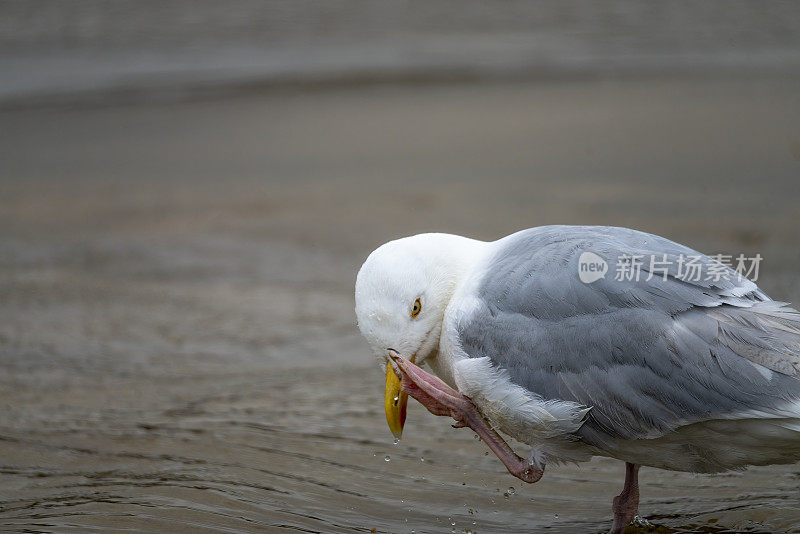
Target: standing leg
{"x":626,"y":504}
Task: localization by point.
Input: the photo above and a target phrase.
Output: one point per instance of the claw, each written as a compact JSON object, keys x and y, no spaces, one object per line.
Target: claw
{"x":441,"y":399}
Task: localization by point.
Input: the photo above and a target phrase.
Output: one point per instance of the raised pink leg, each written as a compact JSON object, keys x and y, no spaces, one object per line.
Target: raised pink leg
{"x":441,"y":399}
{"x":626,"y":504}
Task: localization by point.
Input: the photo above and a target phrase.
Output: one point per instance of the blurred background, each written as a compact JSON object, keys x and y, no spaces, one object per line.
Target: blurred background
{"x":187,"y":190}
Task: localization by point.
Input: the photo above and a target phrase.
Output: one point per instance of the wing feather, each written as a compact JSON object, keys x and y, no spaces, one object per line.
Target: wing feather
{"x":646,"y":355}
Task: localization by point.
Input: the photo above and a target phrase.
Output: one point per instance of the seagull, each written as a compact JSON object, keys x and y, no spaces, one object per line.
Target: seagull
{"x":584,"y":341}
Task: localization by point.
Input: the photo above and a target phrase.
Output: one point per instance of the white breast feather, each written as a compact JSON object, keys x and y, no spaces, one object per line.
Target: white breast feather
{"x":546,"y":425}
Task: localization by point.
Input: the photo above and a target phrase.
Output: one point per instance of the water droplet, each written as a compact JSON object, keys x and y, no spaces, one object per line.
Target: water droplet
{"x":396,"y":441}
{"x":511,"y":490}
{"x":421,"y":459}
{"x":555,"y":516}
{"x":386,"y":458}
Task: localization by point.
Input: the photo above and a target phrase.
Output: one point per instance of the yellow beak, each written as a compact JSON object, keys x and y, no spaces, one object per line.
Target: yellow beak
{"x":395,"y":401}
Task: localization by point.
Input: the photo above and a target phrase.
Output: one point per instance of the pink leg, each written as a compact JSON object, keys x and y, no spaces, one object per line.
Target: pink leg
{"x":626,"y":504}
{"x":441,"y":399}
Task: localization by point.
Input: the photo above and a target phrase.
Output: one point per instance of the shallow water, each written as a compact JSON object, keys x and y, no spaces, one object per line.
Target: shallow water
{"x":284,"y":450}
{"x":177,"y":342}
{"x":95,"y":50}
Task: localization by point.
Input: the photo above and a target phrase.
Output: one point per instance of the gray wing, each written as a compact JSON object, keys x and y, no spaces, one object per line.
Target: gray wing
{"x":647,"y":356}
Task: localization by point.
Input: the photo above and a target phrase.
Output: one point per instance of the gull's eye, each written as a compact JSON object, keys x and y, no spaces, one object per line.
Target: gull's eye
{"x":416,"y":308}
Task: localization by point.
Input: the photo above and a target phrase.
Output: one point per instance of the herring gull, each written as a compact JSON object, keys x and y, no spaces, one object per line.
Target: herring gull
{"x":547,"y":336}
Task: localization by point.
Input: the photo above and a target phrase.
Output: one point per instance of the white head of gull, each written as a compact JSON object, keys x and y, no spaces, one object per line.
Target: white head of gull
{"x":683,"y":370}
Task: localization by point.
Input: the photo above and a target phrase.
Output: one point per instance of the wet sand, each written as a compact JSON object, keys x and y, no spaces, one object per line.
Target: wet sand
{"x":178,"y":350}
